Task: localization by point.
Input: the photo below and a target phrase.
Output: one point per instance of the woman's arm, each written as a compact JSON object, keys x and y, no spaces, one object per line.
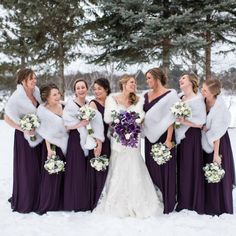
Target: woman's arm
{"x":216,"y":155}
{"x":168,"y":141}
{"x":188,"y":123}
{"x":10,"y":122}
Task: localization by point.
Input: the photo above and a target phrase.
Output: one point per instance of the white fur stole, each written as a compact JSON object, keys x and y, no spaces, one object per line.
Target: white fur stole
{"x":52,"y":128}
{"x":197,"y":117}
{"x":70,"y":114}
{"x":217,"y":123}
{"x":19,"y":105}
{"x":159,"y":117}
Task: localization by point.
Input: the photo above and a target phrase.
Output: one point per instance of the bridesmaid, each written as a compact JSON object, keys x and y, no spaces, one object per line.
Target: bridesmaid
{"x":26,"y":167}
{"x":96,"y":179}
{"x":75,"y":188}
{"x":216,"y":142}
{"x":53,"y":131}
{"x":158,"y":127}
{"x":190,"y":194}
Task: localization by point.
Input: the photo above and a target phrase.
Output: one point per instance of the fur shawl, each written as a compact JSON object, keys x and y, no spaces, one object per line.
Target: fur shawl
{"x":217,"y":123}
{"x":52,"y":128}
{"x":198,"y":116}
{"x":19,"y":105}
{"x":70,"y":114}
{"x":159,"y":117}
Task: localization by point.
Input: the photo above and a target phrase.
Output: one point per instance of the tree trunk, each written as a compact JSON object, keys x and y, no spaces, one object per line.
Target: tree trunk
{"x":208,"y":52}
{"x":61,"y":67}
{"x":166,"y":56}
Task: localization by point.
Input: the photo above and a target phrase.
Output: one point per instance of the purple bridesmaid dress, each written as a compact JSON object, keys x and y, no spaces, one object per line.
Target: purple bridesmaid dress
{"x":96,"y":179}
{"x":51,"y":187}
{"x":218,"y":197}
{"x":75,"y":186}
{"x":190,"y":176}
{"x":26,"y":175}
{"x":163,"y":176}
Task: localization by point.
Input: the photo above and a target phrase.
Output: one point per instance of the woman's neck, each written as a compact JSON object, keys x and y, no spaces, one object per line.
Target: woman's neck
{"x":210,"y":102}
{"x":80,"y":101}
{"x":188,"y":93}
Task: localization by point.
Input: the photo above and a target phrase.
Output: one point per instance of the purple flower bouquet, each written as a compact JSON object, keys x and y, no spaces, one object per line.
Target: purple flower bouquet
{"x":125,"y":128}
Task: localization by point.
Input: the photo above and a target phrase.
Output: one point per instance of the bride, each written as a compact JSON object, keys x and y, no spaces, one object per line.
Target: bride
{"x":128,"y":190}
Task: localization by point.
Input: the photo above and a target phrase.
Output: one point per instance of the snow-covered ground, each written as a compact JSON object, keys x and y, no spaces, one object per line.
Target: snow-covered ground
{"x":70,"y":224}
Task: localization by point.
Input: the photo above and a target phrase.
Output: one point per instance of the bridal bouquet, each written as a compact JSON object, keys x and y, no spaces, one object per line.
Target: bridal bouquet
{"x":88,"y":113}
{"x":54,"y":165}
{"x":213,"y":172}
{"x":99,"y":163}
{"x":125,"y":127}
{"x":181,"y":109}
{"x":160,"y":153}
{"x":30,"y":122}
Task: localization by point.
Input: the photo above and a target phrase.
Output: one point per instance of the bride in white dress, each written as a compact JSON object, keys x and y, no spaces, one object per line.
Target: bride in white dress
{"x":128,"y":190}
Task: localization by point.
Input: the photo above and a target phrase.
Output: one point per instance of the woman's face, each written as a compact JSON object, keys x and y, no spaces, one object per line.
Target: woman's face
{"x":130,"y":86}
{"x":30,"y":82}
{"x":81,"y":90}
{"x":99,"y":92}
{"x":205,"y":91}
{"x":151,"y":82}
{"x":184,"y":82}
{"x":54,"y":96}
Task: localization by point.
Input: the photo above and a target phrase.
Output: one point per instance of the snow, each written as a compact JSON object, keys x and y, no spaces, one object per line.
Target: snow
{"x":70,"y":224}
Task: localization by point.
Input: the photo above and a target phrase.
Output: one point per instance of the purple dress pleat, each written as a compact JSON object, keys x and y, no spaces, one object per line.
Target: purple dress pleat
{"x":26,"y":175}
{"x":51,"y":187}
{"x":76,"y":196}
{"x":190,"y":176}
{"x":96,"y":179}
{"x":218,"y":197}
{"x":163,"y":176}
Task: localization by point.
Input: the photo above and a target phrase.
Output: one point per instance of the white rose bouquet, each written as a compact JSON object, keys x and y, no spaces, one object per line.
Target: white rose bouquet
{"x":181,"y":109}
{"x":30,"y":122}
{"x":160,"y":153}
{"x":87,"y":113}
{"x":213,"y":172}
{"x":99,"y":163}
{"x":54,"y":165}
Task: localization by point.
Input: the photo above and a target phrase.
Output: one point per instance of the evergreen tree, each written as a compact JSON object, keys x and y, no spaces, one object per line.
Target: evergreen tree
{"x":47,"y":32}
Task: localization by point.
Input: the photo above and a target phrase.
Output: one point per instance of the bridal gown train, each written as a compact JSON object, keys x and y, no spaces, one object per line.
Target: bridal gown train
{"x":128,"y":190}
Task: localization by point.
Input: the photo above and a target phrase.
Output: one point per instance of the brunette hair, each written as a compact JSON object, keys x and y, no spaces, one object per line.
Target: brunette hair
{"x":45,"y":91}
{"x":214,"y":86}
{"x":79,"y":80}
{"x":158,"y":74}
{"x":133,"y":98}
{"x":23,"y":74}
{"x":103,"y":83}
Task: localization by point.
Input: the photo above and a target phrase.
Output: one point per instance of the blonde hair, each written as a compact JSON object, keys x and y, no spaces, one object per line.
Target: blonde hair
{"x":214,"y":86}
{"x":133,"y":98}
{"x":193,"y":78}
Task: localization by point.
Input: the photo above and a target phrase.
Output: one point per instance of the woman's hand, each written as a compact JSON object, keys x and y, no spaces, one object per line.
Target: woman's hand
{"x":169,"y":144}
{"x":50,"y":153}
{"x":217,"y":159}
{"x":29,"y":132}
{"x":98,"y":149}
{"x":180,"y":120}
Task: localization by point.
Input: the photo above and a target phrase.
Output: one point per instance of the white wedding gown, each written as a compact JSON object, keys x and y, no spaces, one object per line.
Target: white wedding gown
{"x":128,"y":190}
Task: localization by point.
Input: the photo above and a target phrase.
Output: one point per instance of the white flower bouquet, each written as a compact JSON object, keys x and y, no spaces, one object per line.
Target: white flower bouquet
{"x":30,"y":122}
{"x":54,"y":165}
{"x":160,"y":153}
{"x":213,"y":172}
{"x":181,"y":109}
{"x":87,"y":113}
{"x":99,"y":163}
